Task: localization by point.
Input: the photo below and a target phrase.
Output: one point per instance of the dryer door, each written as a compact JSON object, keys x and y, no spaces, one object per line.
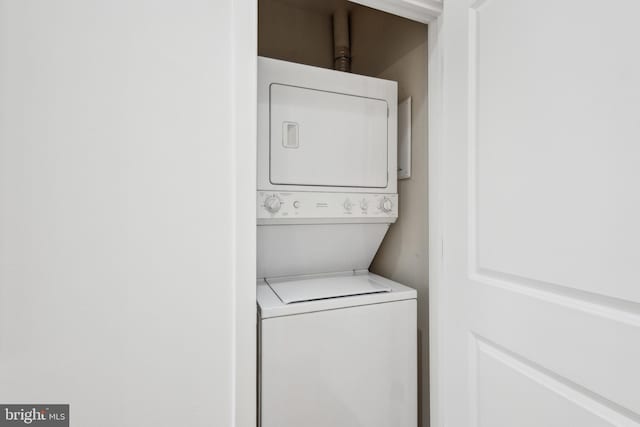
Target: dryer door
{"x":327,"y":139}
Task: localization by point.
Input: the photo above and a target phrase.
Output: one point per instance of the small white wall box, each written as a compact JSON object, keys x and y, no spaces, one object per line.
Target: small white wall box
{"x":404,"y":139}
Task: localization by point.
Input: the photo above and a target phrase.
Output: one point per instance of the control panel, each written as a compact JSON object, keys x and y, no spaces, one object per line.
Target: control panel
{"x":312,"y":205}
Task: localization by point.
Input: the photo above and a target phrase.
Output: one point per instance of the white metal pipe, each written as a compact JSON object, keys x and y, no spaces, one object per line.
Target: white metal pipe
{"x":341,"y":45}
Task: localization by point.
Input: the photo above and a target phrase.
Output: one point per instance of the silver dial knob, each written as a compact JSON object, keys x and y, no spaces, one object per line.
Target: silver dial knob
{"x":386,"y":205}
{"x":272,"y":204}
{"x":364,"y":205}
{"x":347,"y":205}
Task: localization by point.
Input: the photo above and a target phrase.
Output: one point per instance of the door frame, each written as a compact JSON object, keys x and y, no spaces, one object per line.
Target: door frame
{"x":435,"y":90}
{"x":243,"y":68}
{"x":244,"y":76}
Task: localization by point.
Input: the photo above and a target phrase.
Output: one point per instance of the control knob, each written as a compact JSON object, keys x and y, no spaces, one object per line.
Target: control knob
{"x":364,"y":205}
{"x":272,"y":204}
{"x":386,"y":205}
{"x":347,"y":205}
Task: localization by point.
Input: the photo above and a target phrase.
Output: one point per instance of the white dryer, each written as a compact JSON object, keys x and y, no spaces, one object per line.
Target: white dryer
{"x":337,"y":343}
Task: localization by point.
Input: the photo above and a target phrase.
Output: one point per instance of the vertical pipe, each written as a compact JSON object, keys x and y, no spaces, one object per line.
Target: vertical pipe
{"x":341,"y":45}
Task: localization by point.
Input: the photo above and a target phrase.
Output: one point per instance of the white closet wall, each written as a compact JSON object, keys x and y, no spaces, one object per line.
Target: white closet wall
{"x":116,"y":255}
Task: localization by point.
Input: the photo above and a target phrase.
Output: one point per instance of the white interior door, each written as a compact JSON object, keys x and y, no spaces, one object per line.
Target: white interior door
{"x":536,"y":279}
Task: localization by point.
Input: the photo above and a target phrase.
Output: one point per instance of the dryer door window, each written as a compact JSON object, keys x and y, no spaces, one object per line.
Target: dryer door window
{"x":323,"y":138}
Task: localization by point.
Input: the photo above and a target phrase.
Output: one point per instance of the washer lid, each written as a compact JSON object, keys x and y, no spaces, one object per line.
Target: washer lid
{"x":271,"y":306}
{"x":292,"y":290}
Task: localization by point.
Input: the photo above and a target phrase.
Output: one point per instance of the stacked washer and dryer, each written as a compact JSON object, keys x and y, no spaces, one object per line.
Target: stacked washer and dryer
{"x":337,"y":344}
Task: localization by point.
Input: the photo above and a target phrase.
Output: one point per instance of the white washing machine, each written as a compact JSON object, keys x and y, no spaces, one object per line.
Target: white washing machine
{"x":337,"y":350}
{"x":337,"y":343}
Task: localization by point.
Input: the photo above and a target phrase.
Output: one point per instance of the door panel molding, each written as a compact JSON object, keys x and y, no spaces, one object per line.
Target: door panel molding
{"x":573,"y":393}
{"x":611,"y":307}
{"x":586,"y":277}
{"x":595,"y":304}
